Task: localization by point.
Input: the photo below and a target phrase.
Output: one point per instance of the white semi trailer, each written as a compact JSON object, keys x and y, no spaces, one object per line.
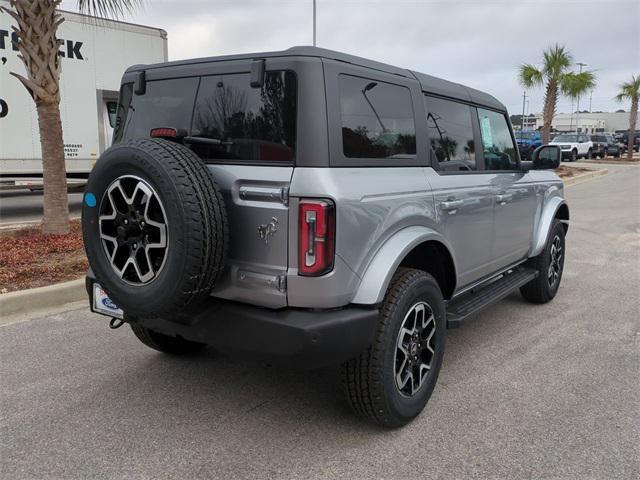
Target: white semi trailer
{"x":95,"y":53}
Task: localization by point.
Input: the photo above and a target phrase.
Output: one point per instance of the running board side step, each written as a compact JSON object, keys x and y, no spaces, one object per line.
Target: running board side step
{"x":461,"y":308}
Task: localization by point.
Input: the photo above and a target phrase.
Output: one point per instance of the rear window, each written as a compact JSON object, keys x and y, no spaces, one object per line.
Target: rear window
{"x":252,"y":124}
{"x":166,"y":103}
{"x":377,"y":119}
{"x":247,"y":124}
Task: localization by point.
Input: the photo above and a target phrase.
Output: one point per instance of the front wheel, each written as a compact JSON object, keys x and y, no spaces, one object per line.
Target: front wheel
{"x":574,"y":155}
{"x":549,"y":264}
{"x":392,"y":381}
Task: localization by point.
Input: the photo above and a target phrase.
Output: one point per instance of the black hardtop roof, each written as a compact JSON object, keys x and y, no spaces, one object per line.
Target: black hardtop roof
{"x":428,"y":83}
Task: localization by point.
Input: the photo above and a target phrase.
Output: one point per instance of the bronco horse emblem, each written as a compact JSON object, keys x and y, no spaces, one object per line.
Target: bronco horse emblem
{"x":266,"y":230}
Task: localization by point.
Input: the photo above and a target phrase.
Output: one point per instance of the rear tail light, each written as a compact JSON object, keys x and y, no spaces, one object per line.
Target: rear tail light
{"x":163,"y":132}
{"x":316,"y":237}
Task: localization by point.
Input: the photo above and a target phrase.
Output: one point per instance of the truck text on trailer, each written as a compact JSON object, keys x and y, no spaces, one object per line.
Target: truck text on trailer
{"x":95,"y":54}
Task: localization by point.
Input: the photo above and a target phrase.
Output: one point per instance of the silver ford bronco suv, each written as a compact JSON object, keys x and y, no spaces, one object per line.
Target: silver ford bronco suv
{"x":310,"y":208}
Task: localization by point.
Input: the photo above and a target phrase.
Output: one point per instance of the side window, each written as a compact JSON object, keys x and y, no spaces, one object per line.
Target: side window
{"x":497,"y":144}
{"x":166,"y":103}
{"x":377,"y":119}
{"x":450,"y":131}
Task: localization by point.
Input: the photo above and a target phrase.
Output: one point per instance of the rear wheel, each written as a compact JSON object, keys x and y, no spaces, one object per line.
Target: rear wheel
{"x":392,"y":381}
{"x":155,"y":227}
{"x":549,"y":264}
{"x":164,"y":343}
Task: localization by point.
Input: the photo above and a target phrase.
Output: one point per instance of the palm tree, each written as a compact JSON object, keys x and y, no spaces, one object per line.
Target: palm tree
{"x":38,"y":22}
{"x":558,"y":78}
{"x":631,"y":91}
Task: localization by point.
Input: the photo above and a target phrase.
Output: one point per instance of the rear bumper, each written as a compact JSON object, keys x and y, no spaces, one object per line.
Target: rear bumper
{"x":293,"y":337}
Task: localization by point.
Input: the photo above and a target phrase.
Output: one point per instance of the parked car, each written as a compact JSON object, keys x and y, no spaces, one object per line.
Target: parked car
{"x":624,"y":140}
{"x":573,"y":145}
{"x":309,"y":207}
{"x":528,"y":141}
{"x":604,"y":144}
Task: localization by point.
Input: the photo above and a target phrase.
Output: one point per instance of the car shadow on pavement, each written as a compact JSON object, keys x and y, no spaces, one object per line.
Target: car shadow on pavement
{"x":217,"y":389}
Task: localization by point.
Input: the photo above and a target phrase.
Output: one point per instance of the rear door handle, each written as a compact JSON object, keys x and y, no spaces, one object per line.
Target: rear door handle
{"x":504,"y":198}
{"x":451,"y":204}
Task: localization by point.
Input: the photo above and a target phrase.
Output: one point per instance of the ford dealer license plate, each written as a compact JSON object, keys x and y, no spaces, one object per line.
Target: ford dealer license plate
{"x":103,"y":304}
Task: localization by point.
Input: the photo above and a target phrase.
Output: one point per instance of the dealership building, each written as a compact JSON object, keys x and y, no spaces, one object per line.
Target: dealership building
{"x":582,"y":122}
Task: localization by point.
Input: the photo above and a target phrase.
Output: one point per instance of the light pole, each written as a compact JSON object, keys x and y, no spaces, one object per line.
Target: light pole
{"x":580,"y":64}
{"x":524,"y":100}
{"x":314,"y":23}
{"x":375,"y":112}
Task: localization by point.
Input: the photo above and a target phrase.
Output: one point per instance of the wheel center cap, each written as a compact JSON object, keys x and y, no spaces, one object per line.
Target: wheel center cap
{"x":413,"y":348}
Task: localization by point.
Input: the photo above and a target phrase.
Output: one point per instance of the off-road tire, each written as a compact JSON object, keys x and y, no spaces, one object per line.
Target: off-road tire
{"x":539,"y":290}
{"x":574,"y":155}
{"x":369,"y":379}
{"x":196,"y":223}
{"x":164,"y":343}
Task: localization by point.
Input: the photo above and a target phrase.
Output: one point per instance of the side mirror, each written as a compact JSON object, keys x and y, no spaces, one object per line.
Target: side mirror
{"x":546,"y":157}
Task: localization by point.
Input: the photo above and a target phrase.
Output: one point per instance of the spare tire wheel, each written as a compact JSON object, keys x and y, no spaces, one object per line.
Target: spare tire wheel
{"x":154,"y":226}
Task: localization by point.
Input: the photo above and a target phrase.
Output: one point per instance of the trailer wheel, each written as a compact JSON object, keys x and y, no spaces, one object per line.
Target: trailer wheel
{"x":154,"y":226}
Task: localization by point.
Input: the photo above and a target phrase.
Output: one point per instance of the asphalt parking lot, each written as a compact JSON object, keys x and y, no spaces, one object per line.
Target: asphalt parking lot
{"x":526,"y":391}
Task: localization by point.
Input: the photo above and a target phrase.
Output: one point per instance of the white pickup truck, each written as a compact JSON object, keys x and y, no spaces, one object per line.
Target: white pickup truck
{"x":95,"y":54}
{"x":574,"y":145}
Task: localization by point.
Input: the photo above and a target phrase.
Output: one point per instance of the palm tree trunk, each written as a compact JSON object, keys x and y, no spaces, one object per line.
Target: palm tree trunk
{"x":633,"y":118}
{"x":549,"y":111}
{"x":56,"y":205}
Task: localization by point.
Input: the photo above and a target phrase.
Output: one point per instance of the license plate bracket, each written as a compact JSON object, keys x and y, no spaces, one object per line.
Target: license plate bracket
{"x":102,"y":304}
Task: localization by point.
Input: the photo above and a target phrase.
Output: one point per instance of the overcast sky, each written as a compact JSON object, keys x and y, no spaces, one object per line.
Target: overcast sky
{"x":479,"y":43}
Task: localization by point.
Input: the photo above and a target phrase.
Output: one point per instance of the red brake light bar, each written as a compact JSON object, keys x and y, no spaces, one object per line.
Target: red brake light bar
{"x":163,"y":132}
{"x":316,"y":237}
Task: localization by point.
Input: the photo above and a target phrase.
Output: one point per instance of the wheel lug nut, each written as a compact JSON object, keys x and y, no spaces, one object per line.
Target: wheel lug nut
{"x":126,"y":221}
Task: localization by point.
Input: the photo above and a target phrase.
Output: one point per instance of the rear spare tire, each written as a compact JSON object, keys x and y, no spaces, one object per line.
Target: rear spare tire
{"x":154,"y":226}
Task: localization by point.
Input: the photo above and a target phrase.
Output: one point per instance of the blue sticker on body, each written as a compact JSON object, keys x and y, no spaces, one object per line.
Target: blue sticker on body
{"x":90,"y":199}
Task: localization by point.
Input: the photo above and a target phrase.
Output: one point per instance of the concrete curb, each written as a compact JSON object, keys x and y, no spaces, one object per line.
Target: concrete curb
{"x":611,"y":162}
{"x":27,"y":223}
{"x":42,"y":298}
{"x":583,"y":177}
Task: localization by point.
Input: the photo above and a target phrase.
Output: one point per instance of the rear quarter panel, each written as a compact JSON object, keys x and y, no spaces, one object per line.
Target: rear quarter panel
{"x":372,"y":204}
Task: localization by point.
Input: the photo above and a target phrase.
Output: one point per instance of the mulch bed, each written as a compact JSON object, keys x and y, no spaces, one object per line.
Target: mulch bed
{"x":568,"y":172}
{"x":29,"y":259}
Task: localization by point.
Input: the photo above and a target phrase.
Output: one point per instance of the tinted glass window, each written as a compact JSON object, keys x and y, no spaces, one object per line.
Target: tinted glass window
{"x":123,"y":111}
{"x":166,"y":103}
{"x":112,"y":110}
{"x":497,"y":144}
{"x":451,"y":134}
{"x":255,"y":124}
{"x":377,"y":119}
